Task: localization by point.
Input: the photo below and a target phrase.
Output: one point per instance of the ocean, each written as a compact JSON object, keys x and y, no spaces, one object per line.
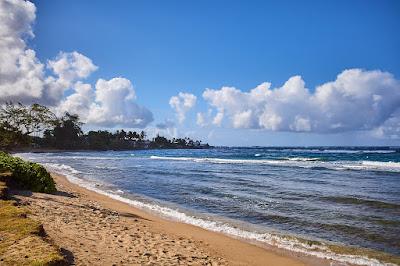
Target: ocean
{"x":332,"y":202}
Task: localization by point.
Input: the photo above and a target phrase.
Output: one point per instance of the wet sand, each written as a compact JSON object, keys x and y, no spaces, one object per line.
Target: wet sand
{"x":92,"y":229}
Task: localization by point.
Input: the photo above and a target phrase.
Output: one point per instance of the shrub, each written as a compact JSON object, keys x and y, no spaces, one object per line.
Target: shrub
{"x":27,"y":175}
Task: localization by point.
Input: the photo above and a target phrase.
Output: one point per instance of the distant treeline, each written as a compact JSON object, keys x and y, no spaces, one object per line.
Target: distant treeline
{"x":36,"y":127}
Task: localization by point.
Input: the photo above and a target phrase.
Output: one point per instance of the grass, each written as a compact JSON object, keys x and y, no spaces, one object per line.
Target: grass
{"x":22,"y":240}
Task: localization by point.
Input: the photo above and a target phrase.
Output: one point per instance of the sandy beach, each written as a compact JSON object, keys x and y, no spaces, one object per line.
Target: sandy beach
{"x":92,"y":229}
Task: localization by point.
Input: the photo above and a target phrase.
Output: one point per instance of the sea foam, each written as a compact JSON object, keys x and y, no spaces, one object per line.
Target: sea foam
{"x":302,"y":162}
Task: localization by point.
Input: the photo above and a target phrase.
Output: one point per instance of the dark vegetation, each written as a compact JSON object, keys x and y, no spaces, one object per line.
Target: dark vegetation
{"x":36,"y":127}
{"x":26,"y":175}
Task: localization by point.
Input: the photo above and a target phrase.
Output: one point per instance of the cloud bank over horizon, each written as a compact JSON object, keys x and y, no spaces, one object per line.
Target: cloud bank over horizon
{"x":356,"y":100}
{"x":23,"y":77}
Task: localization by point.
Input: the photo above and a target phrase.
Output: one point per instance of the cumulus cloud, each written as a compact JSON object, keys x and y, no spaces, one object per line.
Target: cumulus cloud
{"x":23,"y":77}
{"x":218,"y":118}
{"x":21,"y":74}
{"x":70,"y":67}
{"x":112,"y":103}
{"x":356,"y":100}
{"x":78,"y":102}
{"x":390,"y":129}
{"x":115,"y":104}
{"x":182,"y":103}
{"x":201,"y":120}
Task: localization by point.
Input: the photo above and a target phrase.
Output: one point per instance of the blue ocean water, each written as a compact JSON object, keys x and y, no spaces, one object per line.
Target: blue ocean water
{"x":342,"y":195}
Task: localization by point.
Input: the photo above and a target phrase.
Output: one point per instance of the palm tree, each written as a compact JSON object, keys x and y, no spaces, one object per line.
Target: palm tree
{"x":142,"y":135}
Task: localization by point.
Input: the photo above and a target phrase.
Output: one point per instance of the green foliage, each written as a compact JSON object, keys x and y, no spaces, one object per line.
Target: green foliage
{"x":18,"y":121}
{"x":28,"y":175}
{"x":11,"y":139}
{"x":26,"y":119}
{"x":66,"y":134}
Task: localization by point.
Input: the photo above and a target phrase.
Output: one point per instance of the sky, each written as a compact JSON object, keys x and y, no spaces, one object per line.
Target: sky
{"x":236,"y":73}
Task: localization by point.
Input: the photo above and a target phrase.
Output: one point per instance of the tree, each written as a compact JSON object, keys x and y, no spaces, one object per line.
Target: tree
{"x":161,"y":142}
{"x":11,"y":139}
{"x":26,"y":119}
{"x":41,"y":118}
{"x":98,"y":140}
{"x":67,"y":132}
{"x":132,"y":135}
{"x":18,"y":122}
{"x":142,"y":135}
{"x":121,"y":134}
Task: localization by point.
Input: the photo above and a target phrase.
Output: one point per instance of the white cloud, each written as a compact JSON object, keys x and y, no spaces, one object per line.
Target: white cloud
{"x":390,"y":129}
{"x":182,"y":103}
{"x":70,"y":67}
{"x":218,"y":118}
{"x":21,"y":74}
{"x":23,"y":78}
{"x":243,"y":119}
{"x":111,"y":103}
{"x":168,"y":132}
{"x":79,"y":102}
{"x":201,"y":120}
{"x":356,"y":100}
{"x":114,"y":105}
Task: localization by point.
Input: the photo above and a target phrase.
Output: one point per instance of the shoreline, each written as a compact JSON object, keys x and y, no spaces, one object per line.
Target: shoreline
{"x":230,"y":251}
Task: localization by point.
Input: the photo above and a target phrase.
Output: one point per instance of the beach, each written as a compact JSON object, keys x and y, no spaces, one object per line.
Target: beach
{"x":92,"y":229}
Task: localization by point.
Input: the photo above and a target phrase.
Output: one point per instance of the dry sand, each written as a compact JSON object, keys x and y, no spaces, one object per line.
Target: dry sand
{"x":93,"y":229}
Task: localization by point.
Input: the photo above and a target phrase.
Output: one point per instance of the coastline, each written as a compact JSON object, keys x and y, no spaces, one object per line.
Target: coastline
{"x":190,"y":244}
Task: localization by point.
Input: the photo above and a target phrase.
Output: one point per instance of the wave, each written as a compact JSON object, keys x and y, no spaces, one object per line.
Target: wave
{"x":358,"y":151}
{"x":89,"y":157}
{"x":309,"y":163}
{"x":302,"y":159}
{"x":374,"y":166}
{"x":220,"y":160}
{"x":382,"y":164}
{"x":349,"y":151}
{"x":314,"y":248}
{"x":33,"y":156}
{"x":62,"y":167}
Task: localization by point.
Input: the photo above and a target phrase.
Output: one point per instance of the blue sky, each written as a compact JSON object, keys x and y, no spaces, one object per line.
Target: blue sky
{"x":167,"y":47}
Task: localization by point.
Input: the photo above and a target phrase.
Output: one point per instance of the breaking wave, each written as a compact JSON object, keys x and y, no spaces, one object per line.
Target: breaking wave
{"x":313,"y":163}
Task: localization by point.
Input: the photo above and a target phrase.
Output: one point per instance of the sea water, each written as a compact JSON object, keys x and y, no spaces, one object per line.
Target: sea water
{"x":301,"y":199}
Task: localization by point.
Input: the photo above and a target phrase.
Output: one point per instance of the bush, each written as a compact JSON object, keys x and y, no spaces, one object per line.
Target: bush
{"x":27,"y":175}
